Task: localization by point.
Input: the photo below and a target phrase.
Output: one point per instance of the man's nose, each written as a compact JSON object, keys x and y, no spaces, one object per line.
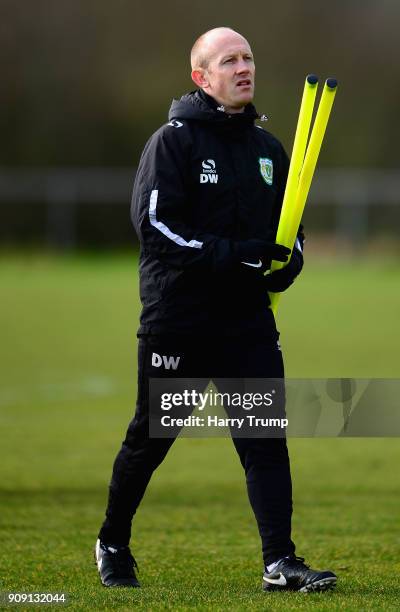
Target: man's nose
{"x":242,"y":66}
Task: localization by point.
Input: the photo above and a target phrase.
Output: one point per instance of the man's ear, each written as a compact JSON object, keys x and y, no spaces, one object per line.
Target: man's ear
{"x":199,"y":77}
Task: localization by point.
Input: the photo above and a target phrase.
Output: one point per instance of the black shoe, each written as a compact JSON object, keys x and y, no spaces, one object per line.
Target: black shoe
{"x":293,"y":574}
{"x":116,"y":566}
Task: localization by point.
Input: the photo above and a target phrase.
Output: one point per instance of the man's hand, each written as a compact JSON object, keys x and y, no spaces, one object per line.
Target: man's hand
{"x":254,"y":249}
{"x":280,"y":280}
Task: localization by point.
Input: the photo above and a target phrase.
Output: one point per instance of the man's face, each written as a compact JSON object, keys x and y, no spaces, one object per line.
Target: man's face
{"x":229,"y":76}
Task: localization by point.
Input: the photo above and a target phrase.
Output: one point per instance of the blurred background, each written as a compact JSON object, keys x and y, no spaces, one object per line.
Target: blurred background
{"x":84,"y":85}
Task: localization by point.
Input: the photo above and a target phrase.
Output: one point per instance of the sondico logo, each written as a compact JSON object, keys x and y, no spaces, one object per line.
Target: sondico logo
{"x":169,"y":362}
{"x":209,"y":174}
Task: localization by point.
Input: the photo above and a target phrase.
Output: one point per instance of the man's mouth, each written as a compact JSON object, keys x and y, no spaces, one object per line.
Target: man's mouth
{"x":244,"y":83}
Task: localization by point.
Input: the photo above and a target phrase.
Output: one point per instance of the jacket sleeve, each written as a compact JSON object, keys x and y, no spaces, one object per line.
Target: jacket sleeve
{"x":160,"y":207}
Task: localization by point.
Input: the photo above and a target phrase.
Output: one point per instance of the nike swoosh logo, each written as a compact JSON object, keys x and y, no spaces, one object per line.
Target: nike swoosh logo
{"x":281,"y":581}
{"x":258,"y":265}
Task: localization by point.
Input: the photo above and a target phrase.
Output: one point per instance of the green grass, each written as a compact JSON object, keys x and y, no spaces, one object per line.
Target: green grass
{"x":67,"y":391}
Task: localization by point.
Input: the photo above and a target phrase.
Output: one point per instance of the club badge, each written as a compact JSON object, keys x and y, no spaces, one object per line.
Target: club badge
{"x":266,"y":169}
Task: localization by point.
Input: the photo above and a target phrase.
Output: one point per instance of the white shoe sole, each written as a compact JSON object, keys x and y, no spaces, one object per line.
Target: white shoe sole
{"x":320,"y":585}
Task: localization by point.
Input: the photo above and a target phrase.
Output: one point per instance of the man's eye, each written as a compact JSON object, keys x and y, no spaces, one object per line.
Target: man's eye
{"x":230,"y":59}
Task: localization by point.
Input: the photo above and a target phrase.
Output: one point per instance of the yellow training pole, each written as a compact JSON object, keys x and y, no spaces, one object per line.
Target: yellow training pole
{"x":296,"y":162}
{"x":292,"y":220}
{"x":312,"y":154}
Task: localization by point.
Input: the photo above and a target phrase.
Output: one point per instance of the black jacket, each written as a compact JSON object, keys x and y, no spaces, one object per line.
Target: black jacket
{"x":205,"y":180}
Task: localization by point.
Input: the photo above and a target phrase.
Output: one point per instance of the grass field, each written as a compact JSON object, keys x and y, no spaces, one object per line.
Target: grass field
{"x":67,"y":392}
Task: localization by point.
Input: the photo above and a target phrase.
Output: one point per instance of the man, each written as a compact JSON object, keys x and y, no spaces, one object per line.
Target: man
{"x":206,"y":205}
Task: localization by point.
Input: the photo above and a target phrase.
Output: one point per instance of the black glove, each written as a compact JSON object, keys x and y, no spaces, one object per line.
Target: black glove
{"x":254,"y":249}
{"x":280,"y":280}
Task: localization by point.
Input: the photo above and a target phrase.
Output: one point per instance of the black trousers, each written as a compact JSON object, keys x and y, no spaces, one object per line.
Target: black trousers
{"x":265,"y":460}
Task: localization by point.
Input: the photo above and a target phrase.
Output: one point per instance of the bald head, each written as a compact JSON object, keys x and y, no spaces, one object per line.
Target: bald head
{"x":208,"y":44}
{"x":223,"y":67}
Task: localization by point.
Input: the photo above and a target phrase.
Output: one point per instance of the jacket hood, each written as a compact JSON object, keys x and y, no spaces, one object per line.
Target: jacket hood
{"x":200,"y":106}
